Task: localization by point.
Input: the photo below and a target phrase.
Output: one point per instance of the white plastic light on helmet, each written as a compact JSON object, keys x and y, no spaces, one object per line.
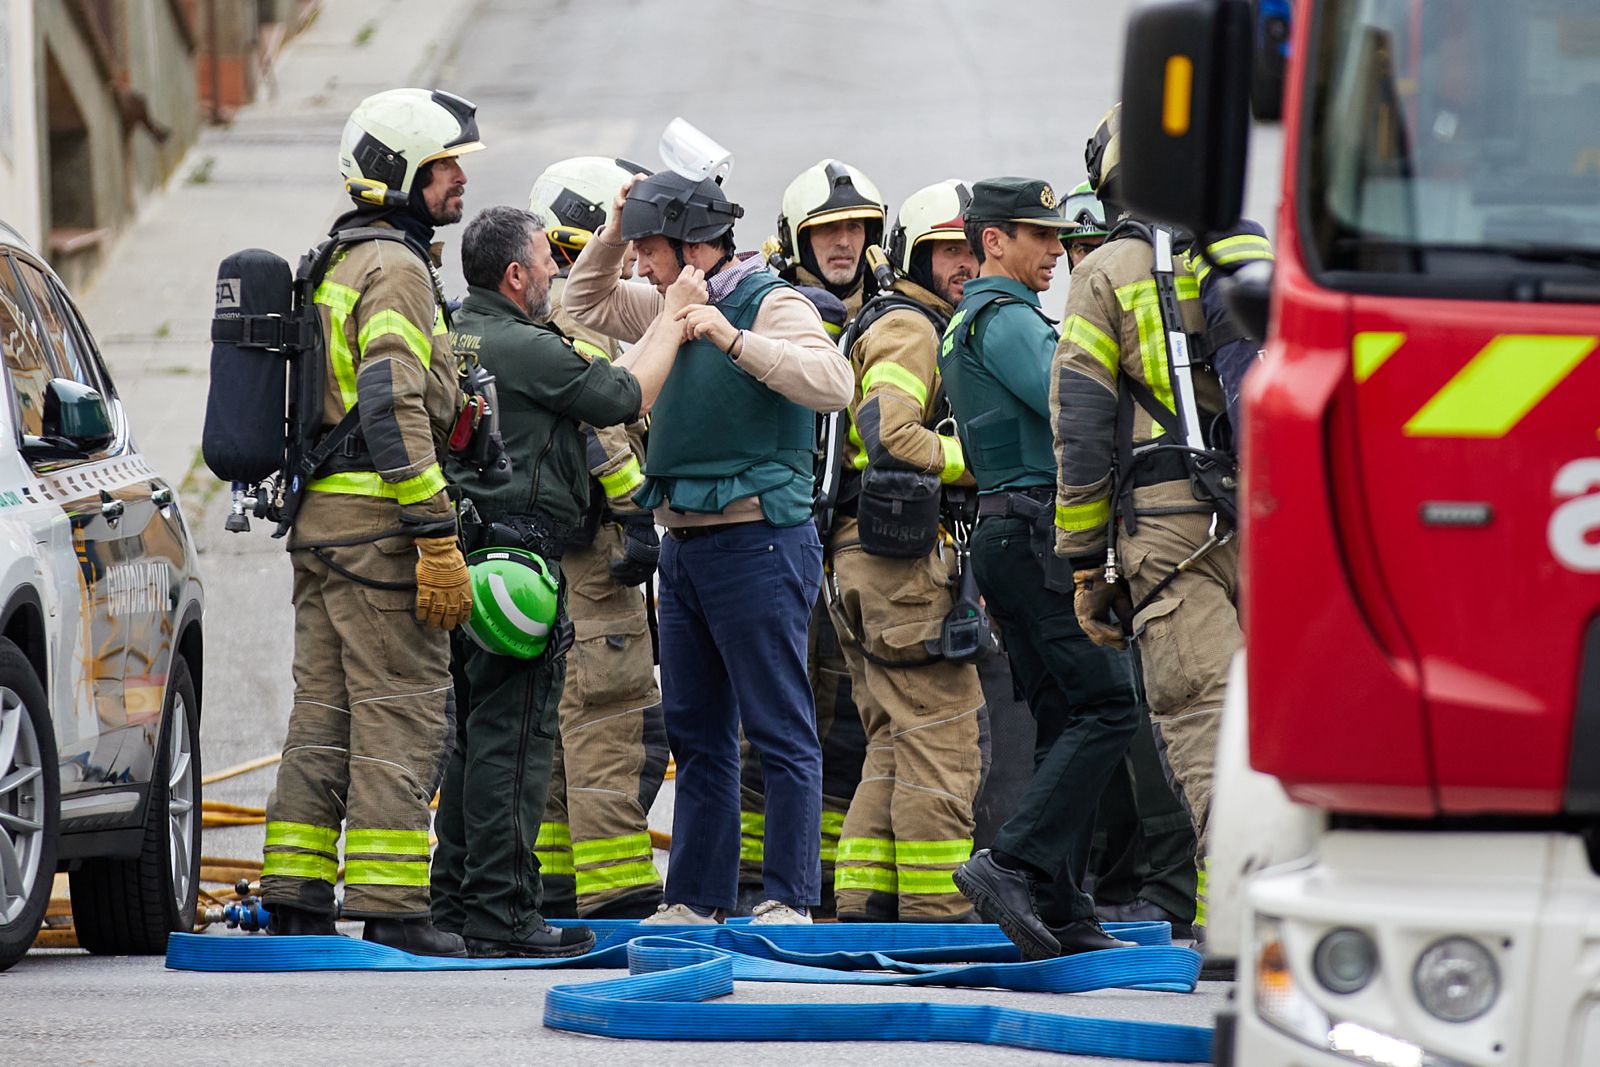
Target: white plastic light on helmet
{"x":689,"y":152}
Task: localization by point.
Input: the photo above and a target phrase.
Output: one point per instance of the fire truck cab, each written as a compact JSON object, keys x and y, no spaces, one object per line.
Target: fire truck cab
{"x":1406,"y":830}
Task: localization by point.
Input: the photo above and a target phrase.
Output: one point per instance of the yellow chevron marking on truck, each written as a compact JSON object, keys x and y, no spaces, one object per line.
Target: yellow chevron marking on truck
{"x":1500,"y":385}
{"x":1370,"y":349}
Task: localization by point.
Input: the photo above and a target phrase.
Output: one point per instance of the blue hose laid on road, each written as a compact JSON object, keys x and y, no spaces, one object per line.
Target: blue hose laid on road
{"x":675,"y":970}
{"x":670,"y":1005}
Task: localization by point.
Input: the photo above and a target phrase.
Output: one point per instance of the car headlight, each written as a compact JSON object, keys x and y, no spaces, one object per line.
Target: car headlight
{"x":1456,"y":979}
{"x":1345,"y":961}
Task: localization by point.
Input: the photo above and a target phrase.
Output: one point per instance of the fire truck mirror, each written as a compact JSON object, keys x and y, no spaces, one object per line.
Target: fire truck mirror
{"x":1186,"y":112}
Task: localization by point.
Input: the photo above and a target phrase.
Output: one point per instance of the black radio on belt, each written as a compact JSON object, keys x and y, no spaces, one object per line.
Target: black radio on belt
{"x":964,"y":635}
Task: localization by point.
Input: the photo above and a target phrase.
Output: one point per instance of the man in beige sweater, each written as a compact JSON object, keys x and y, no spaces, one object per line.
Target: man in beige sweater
{"x":729,"y":474}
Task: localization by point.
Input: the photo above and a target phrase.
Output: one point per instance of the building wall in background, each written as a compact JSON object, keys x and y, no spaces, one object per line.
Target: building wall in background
{"x":100,"y":101}
{"x":19,"y":129}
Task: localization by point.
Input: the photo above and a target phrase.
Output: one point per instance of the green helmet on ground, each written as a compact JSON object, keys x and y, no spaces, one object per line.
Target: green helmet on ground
{"x":513,"y":602}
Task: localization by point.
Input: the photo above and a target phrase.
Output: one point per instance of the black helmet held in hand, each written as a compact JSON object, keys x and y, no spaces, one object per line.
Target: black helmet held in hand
{"x":678,"y":208}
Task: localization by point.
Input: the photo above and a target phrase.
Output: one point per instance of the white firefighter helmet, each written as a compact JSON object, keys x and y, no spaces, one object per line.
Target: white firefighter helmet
{"x":932,"y":213}
{"x":574,"y":199}
{"x":827,"y":192}
{"x":393,"y":134}
{"x":578,"y":192}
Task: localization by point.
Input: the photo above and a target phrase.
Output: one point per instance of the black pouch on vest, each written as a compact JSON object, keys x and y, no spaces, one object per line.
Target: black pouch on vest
{"x":898,"y":512}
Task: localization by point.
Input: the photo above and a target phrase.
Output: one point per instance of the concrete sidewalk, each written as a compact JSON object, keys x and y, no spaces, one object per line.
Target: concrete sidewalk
{"x":269,"y":180}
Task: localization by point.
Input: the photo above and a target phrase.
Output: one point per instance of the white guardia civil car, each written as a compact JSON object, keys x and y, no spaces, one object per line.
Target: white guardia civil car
{"x":100,"y":643}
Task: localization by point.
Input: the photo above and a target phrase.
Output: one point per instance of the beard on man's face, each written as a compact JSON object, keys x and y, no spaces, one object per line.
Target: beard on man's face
{"x":449,"y":211}
{"x":537,"y":307}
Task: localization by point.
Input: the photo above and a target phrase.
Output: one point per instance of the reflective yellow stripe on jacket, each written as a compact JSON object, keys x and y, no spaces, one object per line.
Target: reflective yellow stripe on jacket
{"x":371,"y":483}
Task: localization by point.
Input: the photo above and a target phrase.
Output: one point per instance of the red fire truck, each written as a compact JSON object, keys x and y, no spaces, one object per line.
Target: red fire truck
{"x":1409,"y":861}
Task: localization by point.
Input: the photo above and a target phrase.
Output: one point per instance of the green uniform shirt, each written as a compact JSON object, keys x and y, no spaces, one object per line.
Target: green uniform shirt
{"x":546,"y":387}
{"x":995,"y":359}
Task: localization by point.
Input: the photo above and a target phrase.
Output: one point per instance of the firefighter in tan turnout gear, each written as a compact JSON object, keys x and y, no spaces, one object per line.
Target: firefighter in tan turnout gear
{"x":594,"y":843}
{"x":379,"y":579}
{"x":910,"y":822}
{"x":831,"y":213}
{"x":1114,"y":406}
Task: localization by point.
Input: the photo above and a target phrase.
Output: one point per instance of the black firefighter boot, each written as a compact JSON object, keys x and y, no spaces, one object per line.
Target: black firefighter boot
{"x":289,"y":921}
{"x":416,"y":936}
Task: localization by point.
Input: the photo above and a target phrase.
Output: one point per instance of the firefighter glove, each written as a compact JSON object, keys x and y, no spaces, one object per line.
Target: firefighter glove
{"x":641,"y":550}
{"x":1094,"y":599}
{"x":444,"y":588}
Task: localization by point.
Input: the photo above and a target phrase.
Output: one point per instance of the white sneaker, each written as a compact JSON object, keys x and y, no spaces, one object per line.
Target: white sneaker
{"x":771,"y":913}
{"x":678,"y":915}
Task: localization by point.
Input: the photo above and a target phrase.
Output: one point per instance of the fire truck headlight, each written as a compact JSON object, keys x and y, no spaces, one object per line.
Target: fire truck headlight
{"x":1345,"y":961}
{"x":1456,"y":979}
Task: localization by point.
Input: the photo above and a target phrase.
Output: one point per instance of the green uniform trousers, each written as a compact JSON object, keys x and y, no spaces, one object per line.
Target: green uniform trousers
{"x":594,"y":842}
{"x":485,"y":875}
{"x":1083,"y":702}
{"x":367,"y":737}
{"x":1145,"y":844}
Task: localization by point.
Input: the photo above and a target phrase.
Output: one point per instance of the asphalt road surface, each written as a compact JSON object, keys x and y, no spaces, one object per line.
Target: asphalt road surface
{"x":910,"y":91}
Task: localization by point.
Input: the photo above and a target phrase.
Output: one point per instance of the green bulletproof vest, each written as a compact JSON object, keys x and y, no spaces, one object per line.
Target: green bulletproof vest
{"x":717,"y":435}
{"x":1007,"y":444}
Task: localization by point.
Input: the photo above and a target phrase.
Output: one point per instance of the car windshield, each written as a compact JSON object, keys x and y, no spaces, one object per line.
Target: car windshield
{"x":1444,"y":133}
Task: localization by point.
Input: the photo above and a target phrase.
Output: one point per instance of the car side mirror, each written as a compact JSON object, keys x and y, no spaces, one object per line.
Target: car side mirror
{"x":1186,"y":112}
{"x":76,"y":414}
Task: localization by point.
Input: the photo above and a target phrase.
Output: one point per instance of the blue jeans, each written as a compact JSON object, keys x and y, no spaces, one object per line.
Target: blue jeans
{"x":735,"y":605}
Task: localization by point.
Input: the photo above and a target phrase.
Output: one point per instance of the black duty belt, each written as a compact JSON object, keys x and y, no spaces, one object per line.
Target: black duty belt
{"x":533,"y":532}
{"x":689,"y":533}
{"x":1018,"y":503}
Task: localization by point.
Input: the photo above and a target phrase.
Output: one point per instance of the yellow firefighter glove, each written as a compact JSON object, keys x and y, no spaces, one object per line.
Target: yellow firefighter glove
{"x":1093,"y":600}
{"x":444,"y":588}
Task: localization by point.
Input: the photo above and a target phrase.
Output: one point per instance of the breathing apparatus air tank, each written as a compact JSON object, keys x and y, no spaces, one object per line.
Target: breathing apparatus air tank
{"x":245,"y":432}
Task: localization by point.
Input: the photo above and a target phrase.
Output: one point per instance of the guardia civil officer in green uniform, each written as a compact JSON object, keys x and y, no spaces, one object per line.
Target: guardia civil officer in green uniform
{"x":995,"y":359}
{"x":485,"y":877}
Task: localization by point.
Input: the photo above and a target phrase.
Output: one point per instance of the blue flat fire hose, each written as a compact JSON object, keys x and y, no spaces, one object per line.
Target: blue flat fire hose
{"x":673,"y":971}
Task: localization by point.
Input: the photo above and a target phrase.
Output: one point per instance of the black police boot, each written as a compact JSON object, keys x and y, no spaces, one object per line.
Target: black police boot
{"x":1005,"y":897}
{"x":1141,"y":910}
{"x":544,"y":943}
{"x":416,"y":936}
{"x":290,"y":921}
{"x":1086,"y":935}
